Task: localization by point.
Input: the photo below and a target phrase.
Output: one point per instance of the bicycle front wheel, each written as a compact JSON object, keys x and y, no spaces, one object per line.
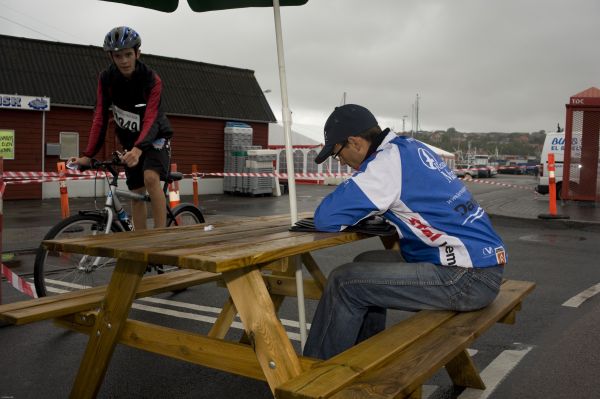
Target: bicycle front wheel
{"x":56,"y":272}
{"x":185,"y":215}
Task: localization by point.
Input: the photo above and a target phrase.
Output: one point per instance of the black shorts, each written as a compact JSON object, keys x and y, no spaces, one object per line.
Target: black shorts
{"x":157,"y":159}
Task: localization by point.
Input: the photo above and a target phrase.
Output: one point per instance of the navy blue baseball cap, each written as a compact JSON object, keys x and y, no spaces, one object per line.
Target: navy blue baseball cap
{"x":345,"y":121}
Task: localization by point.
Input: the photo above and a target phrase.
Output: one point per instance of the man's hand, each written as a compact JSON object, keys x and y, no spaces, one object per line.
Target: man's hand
{"x":83,"y":161}
{"x":131,"y":158}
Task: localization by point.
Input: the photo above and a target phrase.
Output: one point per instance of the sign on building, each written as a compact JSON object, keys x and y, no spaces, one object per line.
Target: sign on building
{"x":8,"y":101}
{"x":7,"y":144}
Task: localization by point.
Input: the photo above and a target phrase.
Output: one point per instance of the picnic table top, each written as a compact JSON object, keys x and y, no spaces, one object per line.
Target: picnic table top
{"x":224,"y":247}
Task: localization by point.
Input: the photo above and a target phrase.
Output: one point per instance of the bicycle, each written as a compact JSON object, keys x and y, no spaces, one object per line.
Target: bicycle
{"x":69,"y":272}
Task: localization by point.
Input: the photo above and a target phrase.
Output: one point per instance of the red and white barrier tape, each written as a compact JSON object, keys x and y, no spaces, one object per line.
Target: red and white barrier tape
{"x":275,"y":174}
{"x":42,"y":177}
{"x":19,"y":283}
{"x":39,"y":177}
{"x":528,"y":188}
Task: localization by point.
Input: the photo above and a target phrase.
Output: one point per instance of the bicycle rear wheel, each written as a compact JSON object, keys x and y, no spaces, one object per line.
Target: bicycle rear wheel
{"x":56,"y":272}
{"x":185,"y":215}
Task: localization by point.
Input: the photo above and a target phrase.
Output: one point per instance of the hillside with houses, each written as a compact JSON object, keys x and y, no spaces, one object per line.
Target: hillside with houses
{"x":498,"y":145}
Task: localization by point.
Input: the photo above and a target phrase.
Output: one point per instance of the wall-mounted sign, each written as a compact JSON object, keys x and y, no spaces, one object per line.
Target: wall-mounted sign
{"x":7,"y":144}
{"x":24,"y":102}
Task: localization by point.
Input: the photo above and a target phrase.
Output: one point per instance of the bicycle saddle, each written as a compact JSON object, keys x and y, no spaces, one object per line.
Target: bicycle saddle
{"x":174,"y":176}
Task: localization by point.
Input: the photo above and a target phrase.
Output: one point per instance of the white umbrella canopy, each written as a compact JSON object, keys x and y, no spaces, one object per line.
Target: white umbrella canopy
{"x":214,"y":5}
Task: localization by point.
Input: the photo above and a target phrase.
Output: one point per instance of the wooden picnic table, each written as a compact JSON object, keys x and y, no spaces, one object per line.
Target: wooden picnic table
{"x":250,"y":255}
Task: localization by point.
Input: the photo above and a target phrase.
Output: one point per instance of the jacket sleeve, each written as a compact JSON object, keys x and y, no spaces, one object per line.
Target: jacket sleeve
{"x":372,"y":190}
{"x":150,"y":122}
{"x":100,"y":121}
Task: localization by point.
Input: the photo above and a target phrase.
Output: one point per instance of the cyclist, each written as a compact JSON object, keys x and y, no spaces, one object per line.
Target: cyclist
{"x":133,"y":90}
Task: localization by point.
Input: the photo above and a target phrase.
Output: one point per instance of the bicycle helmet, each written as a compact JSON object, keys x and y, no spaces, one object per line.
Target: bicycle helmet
{"x":120,"y":38}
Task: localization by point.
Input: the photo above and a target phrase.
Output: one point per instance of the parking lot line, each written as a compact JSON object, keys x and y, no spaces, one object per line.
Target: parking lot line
{"x":583,"y":296}
{"x":495,"y":372}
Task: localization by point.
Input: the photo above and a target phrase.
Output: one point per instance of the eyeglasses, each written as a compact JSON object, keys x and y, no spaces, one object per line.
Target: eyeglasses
{"x":336,"y":155}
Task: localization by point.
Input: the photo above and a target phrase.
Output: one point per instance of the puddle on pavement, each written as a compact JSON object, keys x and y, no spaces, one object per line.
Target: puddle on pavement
{"x":550,"y":238}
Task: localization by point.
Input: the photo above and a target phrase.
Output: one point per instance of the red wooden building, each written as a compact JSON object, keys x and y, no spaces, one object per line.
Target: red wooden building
{"x":198,"y":98}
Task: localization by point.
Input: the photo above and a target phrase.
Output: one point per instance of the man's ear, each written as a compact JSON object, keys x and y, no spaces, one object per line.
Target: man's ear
{"x":138,"y":52}
{"x":356,"y":142}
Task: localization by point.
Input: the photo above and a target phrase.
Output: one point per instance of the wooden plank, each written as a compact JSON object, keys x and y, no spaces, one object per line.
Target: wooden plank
{"x":409,"y":369}
{"x":286,"y":286}
{"x":111,"y":319}
{"x":107,"y":244}
{"x":328,"y":376}
{"x":76,"y":301}
{"x":158,"y":236}
{"x":193,"y":241}
{"x":314,"y":270}
{"x":249,"y":255}
{"x":229,"y":244}
{"x":217,"y":354}
{"x":273,"y":348}
{"x":463,"y":373}
{"x":224,"y":320}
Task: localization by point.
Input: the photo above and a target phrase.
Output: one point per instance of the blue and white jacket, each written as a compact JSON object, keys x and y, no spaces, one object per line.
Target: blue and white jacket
{"x":437,"y":218}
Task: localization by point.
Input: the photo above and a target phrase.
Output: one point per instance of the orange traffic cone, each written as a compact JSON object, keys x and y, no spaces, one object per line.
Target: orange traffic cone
{"x":195,"y":183}
{"x":174,"y":190}
{"x":552,"y":192}
{"x":64,"y":194}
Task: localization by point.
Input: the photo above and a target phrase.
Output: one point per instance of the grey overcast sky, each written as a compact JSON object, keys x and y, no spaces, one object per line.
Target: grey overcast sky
{"x":477,"y":65}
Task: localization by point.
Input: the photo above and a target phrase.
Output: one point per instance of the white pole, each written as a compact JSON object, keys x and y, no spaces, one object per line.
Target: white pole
{"x":290,"y":163}
{"x":43,"y":143}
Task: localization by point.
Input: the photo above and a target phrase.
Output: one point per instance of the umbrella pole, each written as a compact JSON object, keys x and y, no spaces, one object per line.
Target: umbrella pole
{"x":290,"y":164}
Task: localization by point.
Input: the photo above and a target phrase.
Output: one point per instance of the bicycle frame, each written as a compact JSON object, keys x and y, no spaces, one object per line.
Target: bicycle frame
{"x":114,"y":194}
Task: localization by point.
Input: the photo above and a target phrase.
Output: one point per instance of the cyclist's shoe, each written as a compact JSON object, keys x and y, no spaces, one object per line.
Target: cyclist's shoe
{"x":155,"y":266}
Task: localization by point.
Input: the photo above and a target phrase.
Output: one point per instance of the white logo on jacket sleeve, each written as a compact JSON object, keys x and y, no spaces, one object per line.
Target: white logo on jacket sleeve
{"x":430,"y":161}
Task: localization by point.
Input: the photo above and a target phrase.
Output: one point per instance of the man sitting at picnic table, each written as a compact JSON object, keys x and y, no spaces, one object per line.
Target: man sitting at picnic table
{"x":451,"y":258}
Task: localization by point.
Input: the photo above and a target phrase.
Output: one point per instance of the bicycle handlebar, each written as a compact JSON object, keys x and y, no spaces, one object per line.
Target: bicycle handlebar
{"x":96,"y":164}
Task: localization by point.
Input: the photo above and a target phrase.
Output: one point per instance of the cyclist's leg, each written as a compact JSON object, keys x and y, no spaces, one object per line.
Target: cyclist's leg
{"x":156,"y":167}
{"x":139,"y":212}
{"x":135,"y":183}
{"x":157,"y":196}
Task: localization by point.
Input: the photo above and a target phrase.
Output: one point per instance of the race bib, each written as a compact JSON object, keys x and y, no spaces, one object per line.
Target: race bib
{"x":126,"y":120}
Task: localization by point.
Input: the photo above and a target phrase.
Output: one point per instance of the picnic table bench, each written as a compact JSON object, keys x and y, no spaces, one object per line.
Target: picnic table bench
{"x":256,"y":260}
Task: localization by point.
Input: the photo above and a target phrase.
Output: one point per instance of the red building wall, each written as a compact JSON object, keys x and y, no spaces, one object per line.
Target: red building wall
{"x":196,"y":141}
{"x":28,"y":149}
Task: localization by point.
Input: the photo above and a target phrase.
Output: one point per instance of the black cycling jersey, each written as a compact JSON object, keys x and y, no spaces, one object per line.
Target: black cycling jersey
{"x":136,"y":106}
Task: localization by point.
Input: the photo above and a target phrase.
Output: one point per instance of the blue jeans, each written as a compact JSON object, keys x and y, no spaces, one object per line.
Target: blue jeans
{"x":353,"y":306}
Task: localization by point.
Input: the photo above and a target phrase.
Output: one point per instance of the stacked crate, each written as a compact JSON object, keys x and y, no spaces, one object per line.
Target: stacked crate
{"x":239,"y":156}
{"x":243,"y":157}
{"x":237,"y":137}
{"x":259,"y":161}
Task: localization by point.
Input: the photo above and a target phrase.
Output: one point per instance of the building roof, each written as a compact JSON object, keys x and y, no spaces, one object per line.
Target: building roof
{"x":67,"y":73}
{"x":591,"y":92}
{"x":276,"y":136}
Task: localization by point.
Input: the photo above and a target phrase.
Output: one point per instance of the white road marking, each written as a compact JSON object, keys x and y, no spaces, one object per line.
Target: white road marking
{"x":495,"y":372}
{"x":582,"y":296}
{"x":472,"y":352}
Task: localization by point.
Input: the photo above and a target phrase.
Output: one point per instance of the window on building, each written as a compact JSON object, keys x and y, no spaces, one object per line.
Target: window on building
{"x":298,"y":161}
{"x":69,"y":145}
{"x":311,"y":166}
